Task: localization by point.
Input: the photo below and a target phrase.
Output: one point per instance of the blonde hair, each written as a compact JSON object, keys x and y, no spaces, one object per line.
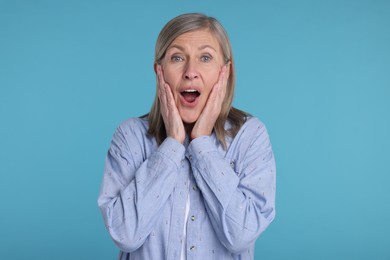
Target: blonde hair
{"x":174,"y":28}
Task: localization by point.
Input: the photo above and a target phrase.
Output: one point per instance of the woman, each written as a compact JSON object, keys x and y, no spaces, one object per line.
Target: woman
{"x":195,"y":178}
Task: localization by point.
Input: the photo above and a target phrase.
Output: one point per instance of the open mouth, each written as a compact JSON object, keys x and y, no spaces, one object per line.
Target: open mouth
{"x":190,"y":95}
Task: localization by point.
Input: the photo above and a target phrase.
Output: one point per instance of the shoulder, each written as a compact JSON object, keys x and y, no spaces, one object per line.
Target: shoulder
{"x":252,"y":121}
{"x":134,"y":126}
{"x":251,"y":132}
{"x":133,"y":138}
{"x":133,"y":130}
{"x":252,"y":141}
{"x":252,"y":127}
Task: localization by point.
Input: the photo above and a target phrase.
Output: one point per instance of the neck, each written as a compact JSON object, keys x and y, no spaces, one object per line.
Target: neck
{"x":188,"y":128}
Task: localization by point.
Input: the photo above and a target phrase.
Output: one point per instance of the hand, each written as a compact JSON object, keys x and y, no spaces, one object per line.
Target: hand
{"x":172,"y":120}
{"x":205,"y":123}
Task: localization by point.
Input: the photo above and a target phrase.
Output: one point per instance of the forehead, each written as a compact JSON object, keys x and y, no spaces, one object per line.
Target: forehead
{"x":197,"y":38}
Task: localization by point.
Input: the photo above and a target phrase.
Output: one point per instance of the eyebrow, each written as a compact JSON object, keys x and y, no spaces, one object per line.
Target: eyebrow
{"x":206,"y":46}
{"x":176,"y":46}
{"x":202,"y":47}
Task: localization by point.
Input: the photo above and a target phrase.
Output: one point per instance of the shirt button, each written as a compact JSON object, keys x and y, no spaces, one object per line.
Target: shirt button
{"x":194,"y":187}
{"x":232,"y":163}
{"x":193,"y":218}
{"x":192,"y":248}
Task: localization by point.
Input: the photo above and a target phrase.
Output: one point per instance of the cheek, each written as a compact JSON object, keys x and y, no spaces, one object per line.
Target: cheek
{"x":171,"y":77}
{"x":211,"y":78}
{"x":167,"y":76}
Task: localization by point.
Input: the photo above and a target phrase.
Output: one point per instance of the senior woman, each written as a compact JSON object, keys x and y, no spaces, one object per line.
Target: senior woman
{"x":195,"y":178}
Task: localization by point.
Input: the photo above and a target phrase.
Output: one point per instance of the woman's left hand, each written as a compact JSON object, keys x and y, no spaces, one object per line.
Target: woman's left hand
{"x":205,"y":123}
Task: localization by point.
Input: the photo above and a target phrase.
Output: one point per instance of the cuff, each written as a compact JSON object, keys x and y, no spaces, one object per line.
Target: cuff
{"x":202,"y":145}
{"x":173,"y":150}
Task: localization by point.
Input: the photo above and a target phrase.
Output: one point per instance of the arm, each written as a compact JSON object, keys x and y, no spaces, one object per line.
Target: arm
{"x":240,"y":205}
{"x":133,"y":191}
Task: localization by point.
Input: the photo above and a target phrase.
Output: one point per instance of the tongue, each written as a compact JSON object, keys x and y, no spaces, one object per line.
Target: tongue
{"x":190,"y":96}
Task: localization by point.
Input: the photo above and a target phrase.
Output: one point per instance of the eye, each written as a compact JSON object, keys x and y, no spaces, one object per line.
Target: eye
{"x":206,"y":58}
{"x":176,"y":58}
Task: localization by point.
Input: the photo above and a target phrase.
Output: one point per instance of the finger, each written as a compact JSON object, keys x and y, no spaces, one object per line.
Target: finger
{"x":159,"y":73}
{"x":169,"y":96}
{"x":160,"y":76}
{"x":224,"y":76}
{"x":163,"y":104}
{"x":161,"y":84}
{"x":165,"y":89}
{"x":224,"y":83}
{"x":219,"y":88}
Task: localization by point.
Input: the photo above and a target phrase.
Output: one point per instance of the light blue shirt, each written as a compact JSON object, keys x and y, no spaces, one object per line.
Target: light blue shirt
{"x":145,"y":187}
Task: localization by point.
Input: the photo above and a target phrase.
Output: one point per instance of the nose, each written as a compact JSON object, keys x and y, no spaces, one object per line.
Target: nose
{"x":190,"y":71}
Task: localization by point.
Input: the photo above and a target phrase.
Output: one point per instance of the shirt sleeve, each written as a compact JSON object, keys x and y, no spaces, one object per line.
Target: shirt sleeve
{"x":240,"y":204}
{"x":135,"y":189}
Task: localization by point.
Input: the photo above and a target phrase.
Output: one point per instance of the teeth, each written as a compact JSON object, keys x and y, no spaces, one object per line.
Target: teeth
{"x":190,"y":90}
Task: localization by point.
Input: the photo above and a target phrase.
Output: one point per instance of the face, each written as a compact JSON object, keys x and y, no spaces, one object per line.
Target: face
{"x":191,"y":67}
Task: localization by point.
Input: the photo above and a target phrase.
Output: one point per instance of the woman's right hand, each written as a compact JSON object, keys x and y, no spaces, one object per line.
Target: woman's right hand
{"x":172,"y":120}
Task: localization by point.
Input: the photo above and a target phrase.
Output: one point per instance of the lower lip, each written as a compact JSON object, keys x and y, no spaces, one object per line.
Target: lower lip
{"x":185,"y":103}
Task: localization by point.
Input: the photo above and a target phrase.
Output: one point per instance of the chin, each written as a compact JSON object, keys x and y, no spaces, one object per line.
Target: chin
{"x":188,"y":122}
{"x":189,"y":119}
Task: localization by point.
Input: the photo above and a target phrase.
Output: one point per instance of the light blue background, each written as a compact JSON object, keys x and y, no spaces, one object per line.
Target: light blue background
{"x":316,"y":72}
